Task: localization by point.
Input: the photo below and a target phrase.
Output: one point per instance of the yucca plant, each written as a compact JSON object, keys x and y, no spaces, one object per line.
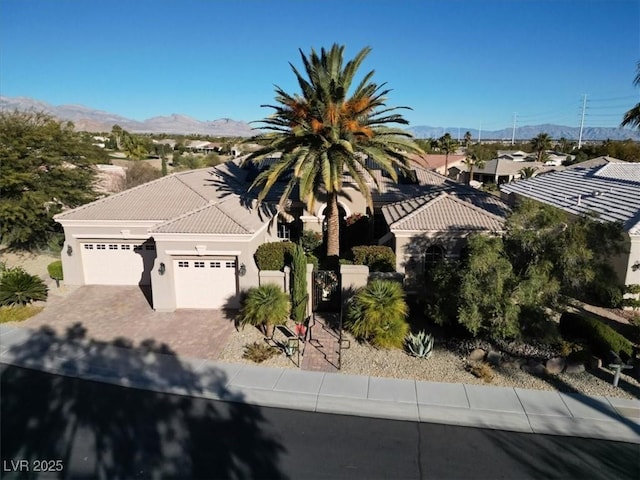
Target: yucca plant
{"x":18,"y":287}
{"x":420,"y":345}
{"x":377,"y":314}
{"x":265,"y":307}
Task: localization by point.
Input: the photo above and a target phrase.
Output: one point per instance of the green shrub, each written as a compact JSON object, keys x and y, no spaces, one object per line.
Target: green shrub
{"x":601,"y":338}
{"x":377,"y":314}
{"x":18,"y":287}
{"x":274,"y":255}
{"x":18,"y":313}
{"x":310,"y":241}
{"x":312,"y":259}
{"x":379,"y":258}
{"x":55,"y":270}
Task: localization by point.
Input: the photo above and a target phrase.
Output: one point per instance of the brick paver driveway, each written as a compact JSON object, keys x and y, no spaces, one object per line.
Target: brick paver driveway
{"x":109,"y":313}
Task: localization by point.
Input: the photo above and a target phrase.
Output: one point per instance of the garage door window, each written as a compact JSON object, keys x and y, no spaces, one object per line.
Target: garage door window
{"x":113,"y":247}
{"x":183,"y":264}
{"x":198,"y":264}
{"x":101,"y":246}
{"x":215,"y":265}
{"x":231,"y":265}
{"x":125,"y":247}
{"x":88,"y":246}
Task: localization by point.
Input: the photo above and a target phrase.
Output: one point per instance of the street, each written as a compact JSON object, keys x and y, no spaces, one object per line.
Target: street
{"x":59,"y":427}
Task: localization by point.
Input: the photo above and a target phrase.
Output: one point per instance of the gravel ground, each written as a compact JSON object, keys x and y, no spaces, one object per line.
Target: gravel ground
{"x":445,"y":365}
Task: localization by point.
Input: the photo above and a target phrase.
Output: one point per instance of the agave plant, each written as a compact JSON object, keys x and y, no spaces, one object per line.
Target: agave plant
{"x":420,"y":345}
{"x":18,"y":287}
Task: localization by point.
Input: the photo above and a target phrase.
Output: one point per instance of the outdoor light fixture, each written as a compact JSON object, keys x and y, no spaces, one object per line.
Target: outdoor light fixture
{"x":69,"y":250}
{"x":161,"y":268}
{"x":242,"y":270}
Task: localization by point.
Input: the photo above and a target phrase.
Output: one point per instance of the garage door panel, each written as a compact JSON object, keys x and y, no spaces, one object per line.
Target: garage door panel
{"x":204,"y":283}
{"x":117,"y":263}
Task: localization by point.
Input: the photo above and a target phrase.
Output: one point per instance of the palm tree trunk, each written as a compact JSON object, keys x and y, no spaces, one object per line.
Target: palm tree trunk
{"x":333,"y":226}
{"x":446,"y":164}
{"x":470,"y":177}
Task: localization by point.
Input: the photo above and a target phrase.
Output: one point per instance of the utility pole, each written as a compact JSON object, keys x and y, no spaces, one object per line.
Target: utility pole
{"x":458,"y":134}
{"x":584,"y":107}
{"x":513,"y":135}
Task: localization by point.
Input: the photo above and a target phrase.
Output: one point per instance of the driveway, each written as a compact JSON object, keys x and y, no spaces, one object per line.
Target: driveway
{"x":122,"y":314}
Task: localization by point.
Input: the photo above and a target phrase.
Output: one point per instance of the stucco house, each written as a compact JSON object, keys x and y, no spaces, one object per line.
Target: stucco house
{"x":610,"y":191}
{"x":189,"y":238}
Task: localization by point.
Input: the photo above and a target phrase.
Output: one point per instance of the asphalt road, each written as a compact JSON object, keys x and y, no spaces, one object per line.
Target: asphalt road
{"x":80,"y":429}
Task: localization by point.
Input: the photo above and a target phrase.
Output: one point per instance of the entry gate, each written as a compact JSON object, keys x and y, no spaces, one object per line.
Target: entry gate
{"x":326,"y":291}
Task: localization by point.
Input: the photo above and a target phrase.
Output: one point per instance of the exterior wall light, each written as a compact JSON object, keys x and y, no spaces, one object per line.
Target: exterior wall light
{"x":242,"y":270}
{"x":162,"y":268}
{"x":69,"y":250}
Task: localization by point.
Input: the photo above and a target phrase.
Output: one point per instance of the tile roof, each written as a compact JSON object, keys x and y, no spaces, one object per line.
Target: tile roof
{"x":435,"y":161}
{"x":446,"y":212}
{"x":582,"y":191}
{"x":448,"y":207}
{"x":596,"y":162}
{"x":160,"y":199}
{"x":231,"y":216}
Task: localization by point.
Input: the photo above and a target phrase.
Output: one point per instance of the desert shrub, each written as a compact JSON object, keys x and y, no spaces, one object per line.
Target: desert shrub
{"x":377,"y":314}
{"x":259,"y":352}
{"x":18,"y":313}
{"x":601,"y":338}
{"x":274,"y":255}
{"x":18,"y":287}
{"x":379,"y":258}
{"x":139,"y":173}
{"x":481,"y":370}
{"x":55,"y":270}
{"x":211,"y":159}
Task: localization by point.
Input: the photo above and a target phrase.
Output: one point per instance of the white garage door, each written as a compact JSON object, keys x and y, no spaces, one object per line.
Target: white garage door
{"x":117,"y":263}
{"x":204,"y":283}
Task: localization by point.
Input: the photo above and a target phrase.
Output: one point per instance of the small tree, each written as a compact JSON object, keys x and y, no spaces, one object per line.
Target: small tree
{"x":55,"y":271}
{"x":299,"y":285}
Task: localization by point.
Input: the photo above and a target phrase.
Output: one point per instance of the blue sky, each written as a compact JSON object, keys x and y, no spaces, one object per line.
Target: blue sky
{"x":456,"y":63}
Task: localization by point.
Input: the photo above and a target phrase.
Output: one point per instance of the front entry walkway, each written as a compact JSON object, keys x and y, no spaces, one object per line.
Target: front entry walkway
{"x":322,"y":350}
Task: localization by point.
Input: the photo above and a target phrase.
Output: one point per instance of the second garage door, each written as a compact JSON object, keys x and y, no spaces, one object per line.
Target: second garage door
{"x":204,"y":283}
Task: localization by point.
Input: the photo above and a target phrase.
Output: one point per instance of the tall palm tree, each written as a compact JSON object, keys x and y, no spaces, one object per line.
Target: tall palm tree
{"x":632,"y":117}
{"x":467,"y":139}
{"x":447,"y":145}
{"x":540,"y":145}
{"x":326,"y":131}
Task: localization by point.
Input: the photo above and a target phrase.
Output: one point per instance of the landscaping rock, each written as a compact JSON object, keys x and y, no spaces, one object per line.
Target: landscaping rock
{"x":534,"y":367}
{"x":477,"y":355}
{"x":574,"y":368}
{"x":494,"y":358}
{"x":555,"y":365}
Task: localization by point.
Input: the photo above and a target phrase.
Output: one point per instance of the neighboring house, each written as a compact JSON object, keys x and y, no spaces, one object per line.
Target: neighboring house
{"x":435,"y":225}
{"x":200,"y":146}
{"x":597,"y":162}
{"x":515,"y":155}
{"x":497,"y":171}
{"x":610,"y":191}
{"x":437,"y":162}
{"x":190,"y":237}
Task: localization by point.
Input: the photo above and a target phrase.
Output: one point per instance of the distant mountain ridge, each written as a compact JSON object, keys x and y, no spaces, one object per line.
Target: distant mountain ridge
{"x":528,"y":132}
{"x":91,"y":120}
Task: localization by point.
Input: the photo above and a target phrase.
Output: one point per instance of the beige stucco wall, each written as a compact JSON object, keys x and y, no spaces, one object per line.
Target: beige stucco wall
{"x":632,"y":274}
{"x":351,"y":200}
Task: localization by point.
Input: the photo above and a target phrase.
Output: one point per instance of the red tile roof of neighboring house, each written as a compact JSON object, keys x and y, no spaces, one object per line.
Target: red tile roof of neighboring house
{"x":435,"y":162}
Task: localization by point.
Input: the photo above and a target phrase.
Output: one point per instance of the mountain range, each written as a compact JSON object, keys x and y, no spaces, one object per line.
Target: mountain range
{"x":91,"y":120}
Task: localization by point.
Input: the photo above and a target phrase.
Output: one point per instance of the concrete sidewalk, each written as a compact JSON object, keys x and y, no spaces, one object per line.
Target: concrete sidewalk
{"x":512,"y":409}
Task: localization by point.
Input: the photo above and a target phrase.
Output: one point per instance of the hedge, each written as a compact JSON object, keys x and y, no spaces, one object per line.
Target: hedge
{"x":274,"y":256}
{"x":601,"y":337}
{"x":378,"y":258}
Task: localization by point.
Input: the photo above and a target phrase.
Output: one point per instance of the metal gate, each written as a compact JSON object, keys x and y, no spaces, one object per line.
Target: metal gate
{"x":326,"y":291}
